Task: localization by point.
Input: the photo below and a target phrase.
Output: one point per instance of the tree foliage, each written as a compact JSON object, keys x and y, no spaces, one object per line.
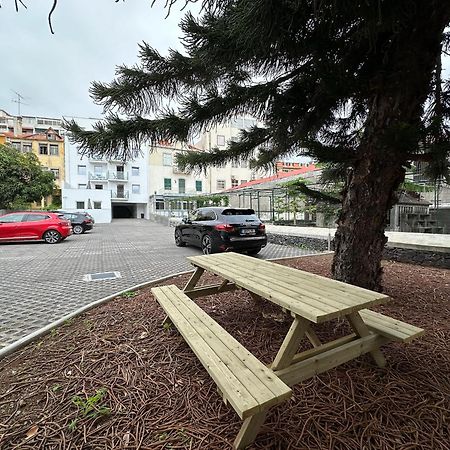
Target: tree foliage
{"x":355,"y":84}
{"x":22,"y":178}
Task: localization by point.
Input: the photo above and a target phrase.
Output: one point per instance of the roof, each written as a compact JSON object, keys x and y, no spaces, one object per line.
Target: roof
{"x":276,"y":177}
{"x":34,"y":137}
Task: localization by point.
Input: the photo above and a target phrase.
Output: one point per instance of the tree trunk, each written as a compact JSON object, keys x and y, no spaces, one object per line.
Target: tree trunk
{"x":399,"y":91}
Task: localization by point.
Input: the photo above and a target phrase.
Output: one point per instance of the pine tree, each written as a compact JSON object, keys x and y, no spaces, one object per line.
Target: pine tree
{"x":346,"y":82}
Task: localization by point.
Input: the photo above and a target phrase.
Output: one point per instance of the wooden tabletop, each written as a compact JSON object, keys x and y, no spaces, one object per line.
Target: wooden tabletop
{"x":311,"y":296}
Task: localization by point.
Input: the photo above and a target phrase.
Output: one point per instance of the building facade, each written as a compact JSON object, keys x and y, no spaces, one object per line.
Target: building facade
{"x":106,"y":188}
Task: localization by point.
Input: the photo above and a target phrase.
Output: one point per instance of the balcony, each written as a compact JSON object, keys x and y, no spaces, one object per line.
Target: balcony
{"x":117,"y":176}
{"x":176,"y":169}
{"x":119,"y":195}
{"x":98,"y":176}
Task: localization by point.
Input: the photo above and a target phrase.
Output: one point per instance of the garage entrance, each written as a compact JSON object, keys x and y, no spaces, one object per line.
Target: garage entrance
{"x":121,"y":211}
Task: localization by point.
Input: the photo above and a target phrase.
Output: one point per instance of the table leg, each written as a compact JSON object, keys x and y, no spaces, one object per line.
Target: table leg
{"x":313,"y":338}
{"x":249,"y":430}
{"x":290,"y":344}
{"x":194,"y":279}
{"x":360,"y":328}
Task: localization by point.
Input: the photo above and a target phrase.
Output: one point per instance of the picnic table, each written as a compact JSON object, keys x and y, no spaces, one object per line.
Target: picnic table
{"x":245,"y":382}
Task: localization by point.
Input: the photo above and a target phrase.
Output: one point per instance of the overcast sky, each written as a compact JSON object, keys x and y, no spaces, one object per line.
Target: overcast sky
{"x":91,"y":37}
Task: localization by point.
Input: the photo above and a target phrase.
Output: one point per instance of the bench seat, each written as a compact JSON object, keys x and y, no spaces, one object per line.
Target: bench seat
{"x":391,"y":328}
{"x":246,"y":383}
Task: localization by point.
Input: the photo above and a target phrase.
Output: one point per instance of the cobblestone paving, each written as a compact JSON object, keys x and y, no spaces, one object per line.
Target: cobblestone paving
{"x":40,"y":283}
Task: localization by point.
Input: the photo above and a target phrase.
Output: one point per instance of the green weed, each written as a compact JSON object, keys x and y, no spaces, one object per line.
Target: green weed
{"x":129,"y":294}
{"x":91,"y":407}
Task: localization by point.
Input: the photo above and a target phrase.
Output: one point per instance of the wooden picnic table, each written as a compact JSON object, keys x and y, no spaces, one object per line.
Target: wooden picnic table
{"x":310,"y":299}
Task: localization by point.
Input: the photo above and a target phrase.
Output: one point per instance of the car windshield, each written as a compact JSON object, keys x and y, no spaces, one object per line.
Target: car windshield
{"x":238,"y":212}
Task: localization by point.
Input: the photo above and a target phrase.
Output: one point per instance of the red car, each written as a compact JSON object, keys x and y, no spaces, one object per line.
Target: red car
{"x":34,"y":225}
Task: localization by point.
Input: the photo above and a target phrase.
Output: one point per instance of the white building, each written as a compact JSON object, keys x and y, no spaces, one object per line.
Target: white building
{"x":106,"y":188}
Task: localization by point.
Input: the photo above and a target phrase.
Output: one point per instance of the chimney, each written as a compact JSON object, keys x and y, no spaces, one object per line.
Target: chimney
{"x":18,"y":126}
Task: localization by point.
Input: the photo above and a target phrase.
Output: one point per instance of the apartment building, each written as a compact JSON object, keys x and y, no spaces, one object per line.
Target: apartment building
{"x":29,"y":124}
{"x":169,"y":186}
{"x":106,"y":188}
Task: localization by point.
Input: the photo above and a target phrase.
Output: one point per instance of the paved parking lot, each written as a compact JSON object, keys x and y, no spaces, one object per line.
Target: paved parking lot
{"x":41,"y":283}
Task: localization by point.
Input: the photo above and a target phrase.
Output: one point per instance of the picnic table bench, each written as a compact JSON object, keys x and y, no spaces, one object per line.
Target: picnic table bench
{"x":248,"y":385}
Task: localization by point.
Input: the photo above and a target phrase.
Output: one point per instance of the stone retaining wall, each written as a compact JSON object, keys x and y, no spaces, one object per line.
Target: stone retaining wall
{"x":411,"y":256}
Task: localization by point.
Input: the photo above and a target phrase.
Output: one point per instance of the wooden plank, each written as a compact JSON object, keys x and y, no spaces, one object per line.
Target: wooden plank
{"x":315,"y":285}
{"x":360,"y":328}
{"x":290,"y":343}
{"x":194,"y":279}
{"x":311,"y":313}
{"x":204,"y":291}
{"x":251,"y":379}
{"x":249,"y":430}
{"x":301,"y":371}
{"x":390,"y":327}
{"x":323,"y":348}
{"x":306,"y":277}
{"x":240,"y":399}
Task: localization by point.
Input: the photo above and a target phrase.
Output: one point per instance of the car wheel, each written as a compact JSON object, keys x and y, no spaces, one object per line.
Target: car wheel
{"x":178,"y":239}
{"x":77,"y":229}
{"x":253,"y":251}
{"x":52,"y":237}
{"x":208,"y":245}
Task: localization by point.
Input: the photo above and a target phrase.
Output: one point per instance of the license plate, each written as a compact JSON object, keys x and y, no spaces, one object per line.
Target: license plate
{"x":248,"y":231}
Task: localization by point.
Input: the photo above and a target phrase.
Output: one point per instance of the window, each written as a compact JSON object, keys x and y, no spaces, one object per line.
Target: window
{"x":99,"y":186}
{"x":51,"y":137}
{"x":243,"y":181}
{"x":12,"y":218}
{"x":26,"y":148}
{"x":55,"y":173}
{"x":43,"y":149}
{"x":82,"y":186}
{"x":220,"y":184}
{"x":16,"y":145}
{"x":220,"y":140}
{"x":54,"y":150}
{"x":234,"y":182}
{"x":36,"y":217}
{"x":244,"y":164}
{"x":136,"y":188}
{"x":135,"y":171}
{"x":167,"y":159}
{"x":198,"y":186}
{"x":167,"y":184}
{"x":80,"y":205}
{"x":81,"y":170}
{"x":97,"y":205}
{"x":98,"y":170}
{"x":181,"y":186}
{"x":159,"y":204}
{"x":234,"y":164}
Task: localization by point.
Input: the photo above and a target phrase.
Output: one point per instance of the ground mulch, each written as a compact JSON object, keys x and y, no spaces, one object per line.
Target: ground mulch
{"x":115,"y":378}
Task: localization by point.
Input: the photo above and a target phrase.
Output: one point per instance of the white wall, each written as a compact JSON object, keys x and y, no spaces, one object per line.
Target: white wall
{"x":70,"y":197}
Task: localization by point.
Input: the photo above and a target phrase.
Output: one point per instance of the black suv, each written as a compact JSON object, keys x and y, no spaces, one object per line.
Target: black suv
{"x":222,"y":229}
{"x":81,"y":222}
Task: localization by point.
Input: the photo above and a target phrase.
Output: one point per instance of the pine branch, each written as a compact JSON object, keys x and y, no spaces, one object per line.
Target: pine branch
{"x":300,"y":186}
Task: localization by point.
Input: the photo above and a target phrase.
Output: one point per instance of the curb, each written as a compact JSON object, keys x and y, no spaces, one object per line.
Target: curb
{"x":22,"y":342}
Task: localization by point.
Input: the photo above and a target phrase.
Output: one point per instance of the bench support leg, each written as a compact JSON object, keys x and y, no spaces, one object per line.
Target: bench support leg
{"x":313,"y":338}
{"x":194,"y":279}
{"x":250,"y":428}
{"x":360,"y":328}
{"x":290,"y":344}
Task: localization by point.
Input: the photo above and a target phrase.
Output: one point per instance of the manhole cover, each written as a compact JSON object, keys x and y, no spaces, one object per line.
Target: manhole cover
{"x":102,"y":276}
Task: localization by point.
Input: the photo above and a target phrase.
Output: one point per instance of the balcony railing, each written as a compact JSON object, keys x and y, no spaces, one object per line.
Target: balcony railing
{"x":123,"y":195}
{"x":98,"y":176}
{"x":120,"y":176}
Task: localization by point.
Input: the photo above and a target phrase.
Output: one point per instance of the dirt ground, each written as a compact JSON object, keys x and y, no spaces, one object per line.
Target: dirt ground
{"x":115,"y":378}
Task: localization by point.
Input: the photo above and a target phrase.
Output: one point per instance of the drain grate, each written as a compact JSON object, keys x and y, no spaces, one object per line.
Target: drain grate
{"x":102,"y":276}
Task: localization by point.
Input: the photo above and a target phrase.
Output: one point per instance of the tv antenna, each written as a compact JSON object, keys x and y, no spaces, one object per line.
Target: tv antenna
{"x":19,"y":100}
